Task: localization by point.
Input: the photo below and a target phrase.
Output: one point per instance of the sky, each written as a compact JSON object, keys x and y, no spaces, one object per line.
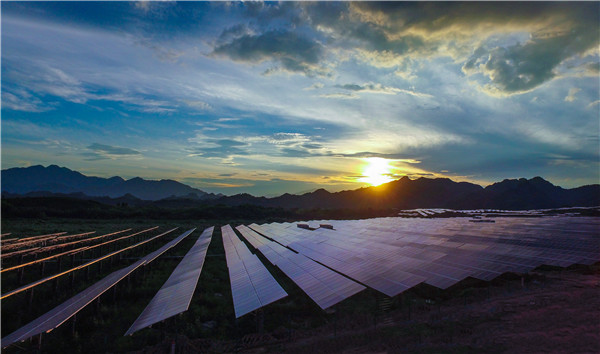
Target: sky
{"x":269,"y":98}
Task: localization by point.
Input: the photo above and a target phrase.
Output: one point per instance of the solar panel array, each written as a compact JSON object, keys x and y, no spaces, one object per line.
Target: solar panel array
{"x":252,"y":286}
{"x":87,"y":264}
{"x":176,"y":294}
{"x":69,"y":308}
{"x":392,"y":255}
{"x":324,"y":286}
{"x":72,"y":251}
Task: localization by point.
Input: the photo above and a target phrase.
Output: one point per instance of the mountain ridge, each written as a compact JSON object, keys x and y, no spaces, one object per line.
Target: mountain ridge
{"x":55,"y":179}
{"x":404,"y":193}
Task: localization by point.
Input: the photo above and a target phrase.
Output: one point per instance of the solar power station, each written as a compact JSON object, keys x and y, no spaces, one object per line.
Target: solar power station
{"x":252,"y":286}
{"x":329,"y":260}
{"x":176,"y":294}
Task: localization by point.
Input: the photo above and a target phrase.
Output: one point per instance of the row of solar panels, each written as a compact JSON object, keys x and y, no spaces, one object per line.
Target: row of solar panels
{"x":434,"y":211}
{"x":37,"y":251}
{"x":174,"y":297}
{"x":252,"y":286}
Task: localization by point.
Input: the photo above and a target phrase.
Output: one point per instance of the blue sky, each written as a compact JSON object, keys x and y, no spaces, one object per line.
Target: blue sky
{"x":268,"y":98}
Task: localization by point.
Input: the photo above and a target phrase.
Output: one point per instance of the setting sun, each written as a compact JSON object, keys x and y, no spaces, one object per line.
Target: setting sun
{"x":377,"y":171}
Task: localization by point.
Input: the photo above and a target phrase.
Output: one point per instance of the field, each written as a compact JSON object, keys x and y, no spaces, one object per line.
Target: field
{"x":544,"y":310}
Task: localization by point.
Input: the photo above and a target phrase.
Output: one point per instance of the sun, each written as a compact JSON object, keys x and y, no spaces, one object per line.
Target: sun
{"x":377,"y":171}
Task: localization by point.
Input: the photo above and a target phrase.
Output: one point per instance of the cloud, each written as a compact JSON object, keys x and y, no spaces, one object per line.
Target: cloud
{"x":33,"y":94}
{"x":198,"y":104}
{"x":393,"y":34}
{"x":311,"y":146}
{"x":287,"y":138}
{"x":571,"y":96}
{"x":103,"y":152}
{"x":290,"y":152}
{"x":523,"y":67}
{"x":593,"y":68}
{"x":23,"y":101}
{"x":366,"y":154}
{"x":294,"y":52}
{"x":218,"y":148}
{"x":343,"y":96}
{"x":379,"y":88}
{"x":315,"y":86}
{"x":228,"y":119}
{"x":161,"y":52}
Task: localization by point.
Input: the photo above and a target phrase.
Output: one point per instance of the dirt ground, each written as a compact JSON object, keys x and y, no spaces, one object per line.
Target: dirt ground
{"x":558,"y":314}
{"x":553,"y":311}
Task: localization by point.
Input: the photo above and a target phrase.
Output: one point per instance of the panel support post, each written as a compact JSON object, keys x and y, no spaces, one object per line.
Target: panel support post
{"x":30,"y":299}
{"x":334,"y":323}
{"x":73,"y":326}
{"x":260,"y":321}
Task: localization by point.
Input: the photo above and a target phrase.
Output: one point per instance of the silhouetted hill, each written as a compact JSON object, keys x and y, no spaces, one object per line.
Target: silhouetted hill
{"x":535,"y":193}
{"x":56,"y":179}
{"x":515,"y":194}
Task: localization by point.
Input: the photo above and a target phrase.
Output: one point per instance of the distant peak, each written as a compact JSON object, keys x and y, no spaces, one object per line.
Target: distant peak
{"x":320,"y":191}
{"x":538,"y":179}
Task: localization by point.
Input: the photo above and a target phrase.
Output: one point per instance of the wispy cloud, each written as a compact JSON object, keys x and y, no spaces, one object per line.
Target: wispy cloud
{"x":102,"y":151}
{"x":342,"y":96}
{"x":379,"y":88}
{"x":571,"y":96}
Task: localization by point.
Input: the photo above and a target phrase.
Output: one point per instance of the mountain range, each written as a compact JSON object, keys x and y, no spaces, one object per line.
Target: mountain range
{"x":404,"y":193}
{"x":55,"y":179}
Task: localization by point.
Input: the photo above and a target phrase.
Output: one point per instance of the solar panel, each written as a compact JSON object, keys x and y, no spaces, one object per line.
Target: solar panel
{"x":324,"y":286}
{"x":252,"y":286}
{"x":176,"y":293}
{"x":394,"y":254}
{"x":69,"y":308}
